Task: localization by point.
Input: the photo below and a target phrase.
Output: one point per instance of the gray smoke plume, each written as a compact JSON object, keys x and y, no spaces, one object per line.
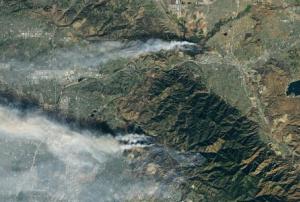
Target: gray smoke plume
{"x":42,"y":160}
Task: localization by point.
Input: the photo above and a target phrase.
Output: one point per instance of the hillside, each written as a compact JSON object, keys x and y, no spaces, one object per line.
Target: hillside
{"x":220,"y":91}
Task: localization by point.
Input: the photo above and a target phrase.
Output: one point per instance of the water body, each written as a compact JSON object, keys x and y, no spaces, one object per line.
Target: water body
{"x":42,"y":160}
{"x":294,"y":88}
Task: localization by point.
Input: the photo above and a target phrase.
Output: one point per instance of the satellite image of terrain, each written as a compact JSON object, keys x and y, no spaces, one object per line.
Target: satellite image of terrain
{"x":149,"y":100}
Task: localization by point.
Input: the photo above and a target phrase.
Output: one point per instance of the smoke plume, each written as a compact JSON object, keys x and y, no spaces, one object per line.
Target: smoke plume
{"x":42,"y":160}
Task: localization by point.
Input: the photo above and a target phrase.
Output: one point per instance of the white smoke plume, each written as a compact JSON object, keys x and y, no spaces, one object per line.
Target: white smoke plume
{"x":42,"y":160}
{"x":94,"y":54}
{"x":67,"y":64}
